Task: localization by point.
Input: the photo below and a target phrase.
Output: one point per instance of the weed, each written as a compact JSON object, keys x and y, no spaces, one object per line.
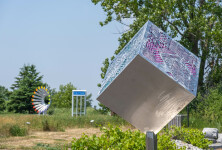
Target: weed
{"x":52,"y":126}
{"x":46,"y":147}
{"x":3,"y":146}
{"x":45,"y":125}
{"x":16,"y":130}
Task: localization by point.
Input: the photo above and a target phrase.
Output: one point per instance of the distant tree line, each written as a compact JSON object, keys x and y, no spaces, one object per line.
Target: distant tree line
{"x":19,"y":99}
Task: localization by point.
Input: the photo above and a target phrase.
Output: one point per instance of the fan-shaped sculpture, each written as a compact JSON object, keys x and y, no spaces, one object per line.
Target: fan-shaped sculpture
{"x":38,"y":100}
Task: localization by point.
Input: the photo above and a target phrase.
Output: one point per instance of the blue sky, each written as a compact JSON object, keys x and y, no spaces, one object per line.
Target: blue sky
{"x":62,"y":38}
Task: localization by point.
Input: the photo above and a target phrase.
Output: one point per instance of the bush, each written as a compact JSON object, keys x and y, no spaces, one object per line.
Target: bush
{"x":211,"y":104}
{"x":190,"y":136}
{"x":115,"y":138}
{"x":207,"y":112}
{"x":16,"y":130}
{"x":112,"y":138}
{"x":51,"y":111}
{"x":103,"y":109}
{"x":165,"y":142}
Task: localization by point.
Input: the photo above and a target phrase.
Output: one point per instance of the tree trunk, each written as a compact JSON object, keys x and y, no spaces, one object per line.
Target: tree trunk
{"x":113,"y":113}
{"x":202,"y":67}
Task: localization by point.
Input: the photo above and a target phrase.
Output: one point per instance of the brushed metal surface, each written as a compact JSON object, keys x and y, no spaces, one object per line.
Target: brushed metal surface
{"x":145,"y":96}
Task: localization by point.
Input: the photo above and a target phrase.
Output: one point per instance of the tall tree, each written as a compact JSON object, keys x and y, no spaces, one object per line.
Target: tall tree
{"x":26,"y":82}
{"x":196,"y":24}
{"x":4,"y":97}
{"x":63,"y":98}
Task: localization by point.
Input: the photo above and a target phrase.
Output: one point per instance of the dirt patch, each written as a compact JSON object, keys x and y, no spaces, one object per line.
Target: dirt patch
{"x":45,"y":137}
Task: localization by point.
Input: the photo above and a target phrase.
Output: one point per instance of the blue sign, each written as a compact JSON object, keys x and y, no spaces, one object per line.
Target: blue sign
{"x":79,"y":93}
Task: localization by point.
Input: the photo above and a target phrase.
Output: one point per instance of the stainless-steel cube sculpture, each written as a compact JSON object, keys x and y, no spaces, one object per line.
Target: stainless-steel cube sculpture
{"x":151,"y":80}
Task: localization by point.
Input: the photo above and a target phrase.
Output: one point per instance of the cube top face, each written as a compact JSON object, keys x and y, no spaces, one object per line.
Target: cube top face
{"x":160,"y":50}
{"x":171,"y":58}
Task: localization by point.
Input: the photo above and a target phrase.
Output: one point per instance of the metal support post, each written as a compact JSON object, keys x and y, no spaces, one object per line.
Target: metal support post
{"x":151,"y":141}
{"x":80,"y":112}
{"x":77,"y":99}
{"x":84,"y":105}
{"x":72,"y":105}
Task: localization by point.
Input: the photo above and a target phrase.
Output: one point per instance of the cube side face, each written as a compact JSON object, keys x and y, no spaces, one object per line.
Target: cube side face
{"x":145,"y":96}
{"x":171,"y":58}
{"x":127,"y":54}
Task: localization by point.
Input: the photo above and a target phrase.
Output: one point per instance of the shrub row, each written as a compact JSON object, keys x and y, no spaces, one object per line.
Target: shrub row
{"x":115,"y":138}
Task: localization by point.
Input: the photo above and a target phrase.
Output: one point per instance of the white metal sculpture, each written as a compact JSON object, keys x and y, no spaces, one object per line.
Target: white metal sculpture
{"x":79,"y":102}
{"x":151,"y":80}
{"x":38,"y":100}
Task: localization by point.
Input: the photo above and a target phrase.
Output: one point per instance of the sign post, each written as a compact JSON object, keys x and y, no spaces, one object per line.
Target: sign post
{"x":78,"y":102}
{"x":151,"y":141}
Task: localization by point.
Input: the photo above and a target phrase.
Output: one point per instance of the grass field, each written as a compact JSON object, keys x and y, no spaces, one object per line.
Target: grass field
{"x":53,"y":132}
{"x":59,"y":128}
{"x":59,"y":121}
{"x":49,"y":140}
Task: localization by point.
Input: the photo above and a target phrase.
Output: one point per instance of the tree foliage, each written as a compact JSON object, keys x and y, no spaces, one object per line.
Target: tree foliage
{"x":196,"y":24}
{"x":4,"y":96}
{"x":210,"y":104}
{"x":214,"y":77}
{"x":103,"y":109}
{"x":26,"y":82}
{"x":63,"y":98}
